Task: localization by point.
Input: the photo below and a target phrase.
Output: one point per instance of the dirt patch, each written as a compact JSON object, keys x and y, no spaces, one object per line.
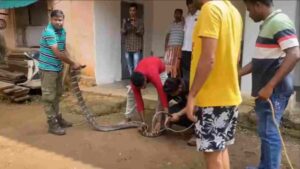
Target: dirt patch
{"x":99,"y":105}
{"x":127,"y":149}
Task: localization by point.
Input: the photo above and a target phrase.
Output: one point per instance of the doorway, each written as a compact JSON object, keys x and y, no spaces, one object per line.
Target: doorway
{"x":125,"y":14}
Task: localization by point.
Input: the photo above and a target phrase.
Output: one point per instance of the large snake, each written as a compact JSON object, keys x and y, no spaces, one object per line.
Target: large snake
{"x":143,"y":127}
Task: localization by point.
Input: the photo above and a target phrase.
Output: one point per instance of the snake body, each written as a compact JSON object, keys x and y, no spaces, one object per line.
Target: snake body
{"x":143,"y":127}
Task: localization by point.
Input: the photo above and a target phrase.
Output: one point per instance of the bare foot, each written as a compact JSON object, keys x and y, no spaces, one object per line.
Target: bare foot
{"x":192,"y":141}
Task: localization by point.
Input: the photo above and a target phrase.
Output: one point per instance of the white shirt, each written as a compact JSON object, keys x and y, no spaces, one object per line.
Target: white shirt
{"x":190,"y":21}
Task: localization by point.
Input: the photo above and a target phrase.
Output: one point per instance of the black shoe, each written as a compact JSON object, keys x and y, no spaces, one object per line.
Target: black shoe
{"x":54,"y":127}
{"x":62,"y":122}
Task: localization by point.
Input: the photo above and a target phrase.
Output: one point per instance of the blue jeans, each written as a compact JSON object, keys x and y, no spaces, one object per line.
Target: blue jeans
{"x":270,"y":140}
{"x":132,"y":59}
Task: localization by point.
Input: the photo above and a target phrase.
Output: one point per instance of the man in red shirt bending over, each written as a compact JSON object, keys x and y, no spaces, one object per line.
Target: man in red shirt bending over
{"x":149,"y":70}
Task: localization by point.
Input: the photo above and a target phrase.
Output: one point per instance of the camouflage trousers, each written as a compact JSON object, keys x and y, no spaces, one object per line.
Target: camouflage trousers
{"x":52,"y":89}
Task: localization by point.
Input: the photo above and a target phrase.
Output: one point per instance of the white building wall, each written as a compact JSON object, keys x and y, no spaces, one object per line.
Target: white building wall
{"x":108,"y":41}
{"x":163,"y":12}
{"x":297,"y":69}
{"x":108,"y":38}
{"x":251,"y":31}
{"x":158,"y":15}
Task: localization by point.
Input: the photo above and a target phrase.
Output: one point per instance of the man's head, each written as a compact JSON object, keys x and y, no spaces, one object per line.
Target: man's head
{"x":202,"y":2}
{"x":57,"y":19}
{"x":258,"y":9}
{"x":133,"y":10}
{"x":173,"y":86}
{"x":178,"y":15}
{"x":138,"y":80}
{"x":191,"y":6}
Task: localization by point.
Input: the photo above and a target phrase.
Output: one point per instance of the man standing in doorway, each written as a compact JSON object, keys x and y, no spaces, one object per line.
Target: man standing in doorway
{"x":190,"y":21}
{"x":214,"y":80}
{"x":133,"y":30}
{"x":277,"y":52}
{"x":52,"y":54}
{"x":173,"y":44}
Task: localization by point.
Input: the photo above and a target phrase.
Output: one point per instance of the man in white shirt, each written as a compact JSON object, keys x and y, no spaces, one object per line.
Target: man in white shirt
{"x":190,"y":21}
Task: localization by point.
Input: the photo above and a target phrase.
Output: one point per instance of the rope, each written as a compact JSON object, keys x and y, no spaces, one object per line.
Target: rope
{"x":273,"y":117}
{"x":280,"y":135}
{"x":166,"y":121}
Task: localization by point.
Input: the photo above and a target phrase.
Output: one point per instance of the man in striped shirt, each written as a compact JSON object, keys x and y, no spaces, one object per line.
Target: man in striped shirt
{"x":52,"y":54}
{"x":174,"y":41}
{"x":133,"y":31}
{"x":276,"y":54}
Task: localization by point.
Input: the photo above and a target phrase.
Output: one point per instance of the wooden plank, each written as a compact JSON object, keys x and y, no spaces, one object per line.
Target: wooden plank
{"x":17,"y":90}
{"x":21,"y":92}
{"x":10,"y":90}
{"x":23,"y":98}
{"x":14,"y":77}
{"x":12,"y":97}
{"x":3,"y":66}
{"x":4,"y":85}
{"x":18,"y":68}
{"x":17,"y":63}
{"x":11,"y":75}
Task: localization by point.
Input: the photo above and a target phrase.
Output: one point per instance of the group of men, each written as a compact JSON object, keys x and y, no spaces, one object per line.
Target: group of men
{"x":178,"y":44}
{"x":210,"y":96}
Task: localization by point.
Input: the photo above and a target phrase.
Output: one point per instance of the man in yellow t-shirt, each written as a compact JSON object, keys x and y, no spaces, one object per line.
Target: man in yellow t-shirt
{"x":214,"y":80}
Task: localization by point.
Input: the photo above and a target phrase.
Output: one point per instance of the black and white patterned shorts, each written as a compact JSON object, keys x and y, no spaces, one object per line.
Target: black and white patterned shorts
{"x":215,"y":128}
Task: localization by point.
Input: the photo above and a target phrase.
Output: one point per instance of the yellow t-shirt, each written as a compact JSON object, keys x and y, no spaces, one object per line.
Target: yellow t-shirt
{"x":222,"y":21}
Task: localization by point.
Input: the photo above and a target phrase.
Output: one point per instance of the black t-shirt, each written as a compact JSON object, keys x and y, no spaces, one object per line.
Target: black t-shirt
{"x":263,"y":72}
{"x":182,"y":97}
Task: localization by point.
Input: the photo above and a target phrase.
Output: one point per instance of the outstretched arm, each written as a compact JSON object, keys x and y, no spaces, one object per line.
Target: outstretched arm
{"x":139,"y":101}
{"x":246,"y":70}
{"x":204,"y":67}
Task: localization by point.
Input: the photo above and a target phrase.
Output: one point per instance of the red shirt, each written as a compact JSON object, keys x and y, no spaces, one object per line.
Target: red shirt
{"x":151,"y":67}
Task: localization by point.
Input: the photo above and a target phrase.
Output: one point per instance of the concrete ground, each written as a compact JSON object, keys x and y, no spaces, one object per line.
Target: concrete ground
{"x":120,"y":89}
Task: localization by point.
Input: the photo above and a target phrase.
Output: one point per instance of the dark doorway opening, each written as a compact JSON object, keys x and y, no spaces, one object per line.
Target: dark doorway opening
{"x":30,"y":22}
